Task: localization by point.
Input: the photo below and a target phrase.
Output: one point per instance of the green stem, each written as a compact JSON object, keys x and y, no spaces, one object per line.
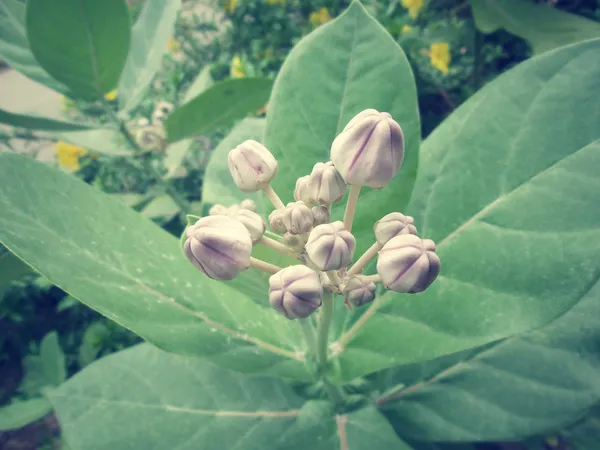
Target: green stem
{"x":309,"y":335}
{"x":325,"y":316}
{"x":336,"y":394}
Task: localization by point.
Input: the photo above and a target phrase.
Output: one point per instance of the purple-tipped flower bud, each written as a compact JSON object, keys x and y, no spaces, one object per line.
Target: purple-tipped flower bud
{"x":301,"y":192}
{"x":248,"y":204}
{"x":297,"y":218}
{"x":252,"y":166}
{"x":217,"y":210}
{"x":321,"y":215}
{"x":330,"y":246}
{"x":296,"y":291}
{"x":219,"y":246}
{"x":408,"y":263}
{"x":370,"y":150}
{"x":326,"y":185}
{"x":276,"y":221}
{"x":392,"y":225}
{"x":252,"y":221}
{"x":359,"y":290}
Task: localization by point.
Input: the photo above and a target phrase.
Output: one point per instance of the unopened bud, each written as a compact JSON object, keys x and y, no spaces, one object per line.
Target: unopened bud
{"x":359,"y":290}
{"x":370,"y":150}
{"x":297,"y":218}
{"x":252,"y":221}
{"x":219,"y":246}
{"x":217,"y":210}
{"x":248,"y":204}
{"x":252,"y":166}
{"x":150,"y":138}
{"x":294,"y":241}
{"x":408,"y":264}
{"x":392,"y":225}
{"x":326,"y":185}
{"x":321,"y":215}
{"x":330,"y":246}
{"x":301,"y":192}
{"x":161,"y":111}
{"x":296,"y":291}
{"x":276,"y":222}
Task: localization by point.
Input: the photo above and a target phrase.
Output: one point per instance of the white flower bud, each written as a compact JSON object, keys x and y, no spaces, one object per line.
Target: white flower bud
{"x":330,"y":246}
{"x":276,"y":222}
{"x":301,"y":192}
{"x":297,"y":218}
{"x":294,"y":241}
{"x":359,"y":290}
{"x":252,"y":166}
{"x":321,"y":215}
{"x":252,"y":221}
{"x":248,"y":204}
{"x":370,"y":150}
{"x":219,"y":246}
{"x":408,"y":264}
{"x":392,"y":225}
{"x":326,"y":185}
{"x":296,"y":291}
{"x":217,"y":210}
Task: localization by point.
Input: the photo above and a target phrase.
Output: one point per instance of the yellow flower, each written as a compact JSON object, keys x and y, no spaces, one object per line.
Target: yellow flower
{"x":406,"y":28}
{"x":230,"y":5}
{"x":319,"y":17}
{"x":275,"y":2}
{"x":69,"y":154}
{"x":173,"y":45}
{"x":439,"y":55}
{"x":111,"y":96}
{"x":237,"y":68}
{"x":414,"y":7}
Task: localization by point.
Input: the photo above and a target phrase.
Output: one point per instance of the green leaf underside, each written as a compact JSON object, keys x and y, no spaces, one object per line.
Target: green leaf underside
{"x":161,"y":206}
{"x":81,"y":43}
{"x":342,"y":68}
{"x":121,"y":264}
{"x":521,"y":386}
{"x":149,"y":42}
{"x":218,"y":106}
{"x":165,"y":401}
{"x":511,"y":203}
{"x":544,"y":27}
{"x":101,"y":140}
{"x":33,"y":122}
{"x":18,"y":414}
{"x":14,"y":48}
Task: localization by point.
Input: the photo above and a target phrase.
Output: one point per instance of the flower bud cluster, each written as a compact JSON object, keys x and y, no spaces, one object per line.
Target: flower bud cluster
{"x":368,"y":152}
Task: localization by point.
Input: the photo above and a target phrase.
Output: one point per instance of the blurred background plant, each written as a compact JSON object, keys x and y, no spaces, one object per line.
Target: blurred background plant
{"x":121,"y":146}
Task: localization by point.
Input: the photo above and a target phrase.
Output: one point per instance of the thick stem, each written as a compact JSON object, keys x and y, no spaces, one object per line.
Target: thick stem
{"x":374,"y":278}
{"x":264,"y":266}
{"x":351,"y":206}
{"x":325,"y":316}
{"x":309,"y":335}
{"x":367,"y":256}
{"x":272,"y":243}
{"x":333,"y":276}
{"x":272,"y":195}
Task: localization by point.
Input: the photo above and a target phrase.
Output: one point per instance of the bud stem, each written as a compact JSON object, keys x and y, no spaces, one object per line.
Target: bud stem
{"x":367,"y":256}
{"x":374,"y":278}
{"x":272,"y":195}
{"x":325,"y":316}
{"x":272,"y":243}
{"x":333,"y":276}
{"x":264,"y":266}
{"x":309,"y":334}
{"x":351,"y":206}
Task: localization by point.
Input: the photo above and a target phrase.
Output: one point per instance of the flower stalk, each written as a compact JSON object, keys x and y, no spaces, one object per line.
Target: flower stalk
{"x":351,"y":206}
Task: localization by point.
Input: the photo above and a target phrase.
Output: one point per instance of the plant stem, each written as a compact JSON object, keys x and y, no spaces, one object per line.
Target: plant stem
{"x":272,"y":195}
{"x":364,"y":259}
{"x":325,"y":316}
{"x":351,"y":206}
{"x":264,"y":266}
{"x":309,"y":335}
{"x":275,"y":245}
{"x":336,"y":394}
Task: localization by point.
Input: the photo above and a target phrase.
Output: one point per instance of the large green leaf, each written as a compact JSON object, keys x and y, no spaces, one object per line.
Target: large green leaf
{"x":507,"y":190}
{"x":149,"y":42}
{"x":544,"y":27}
{"x":151,"y":399}
{"x":39,"y":123}
{"x":124,"y":266}
{"x":340,"y":69}
{"x":100,"y":140}
{"x":14,"y":48}
{"x":218,"y":106}
{"x":81,"y":43}
{"x":19,"y":414}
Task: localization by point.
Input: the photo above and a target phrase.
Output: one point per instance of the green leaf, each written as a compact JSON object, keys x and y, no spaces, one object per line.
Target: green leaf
{"x":101,"y":140}
{"x":14,"y":48}
{"x":162,"y":206}
{"x":585,"y":434}
{"x":175,"y":155}
{"x":522,"y":386}
{"x":511,"y":205}
{"x":149,"y":42}
{"x":81,"y":43}
{"x":18,"y":414}
{"x":91,"y":344}
{"x":200,"y":84}
{"x":543,"y":26}
{"x":53,"y":359}
{"x":124,"y":266}
{"x":217,"y":107}
{"x":39,"y":123}
{"x":11,"y":267}
{"x":342,"y":68}
{"x":166,"y":401}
